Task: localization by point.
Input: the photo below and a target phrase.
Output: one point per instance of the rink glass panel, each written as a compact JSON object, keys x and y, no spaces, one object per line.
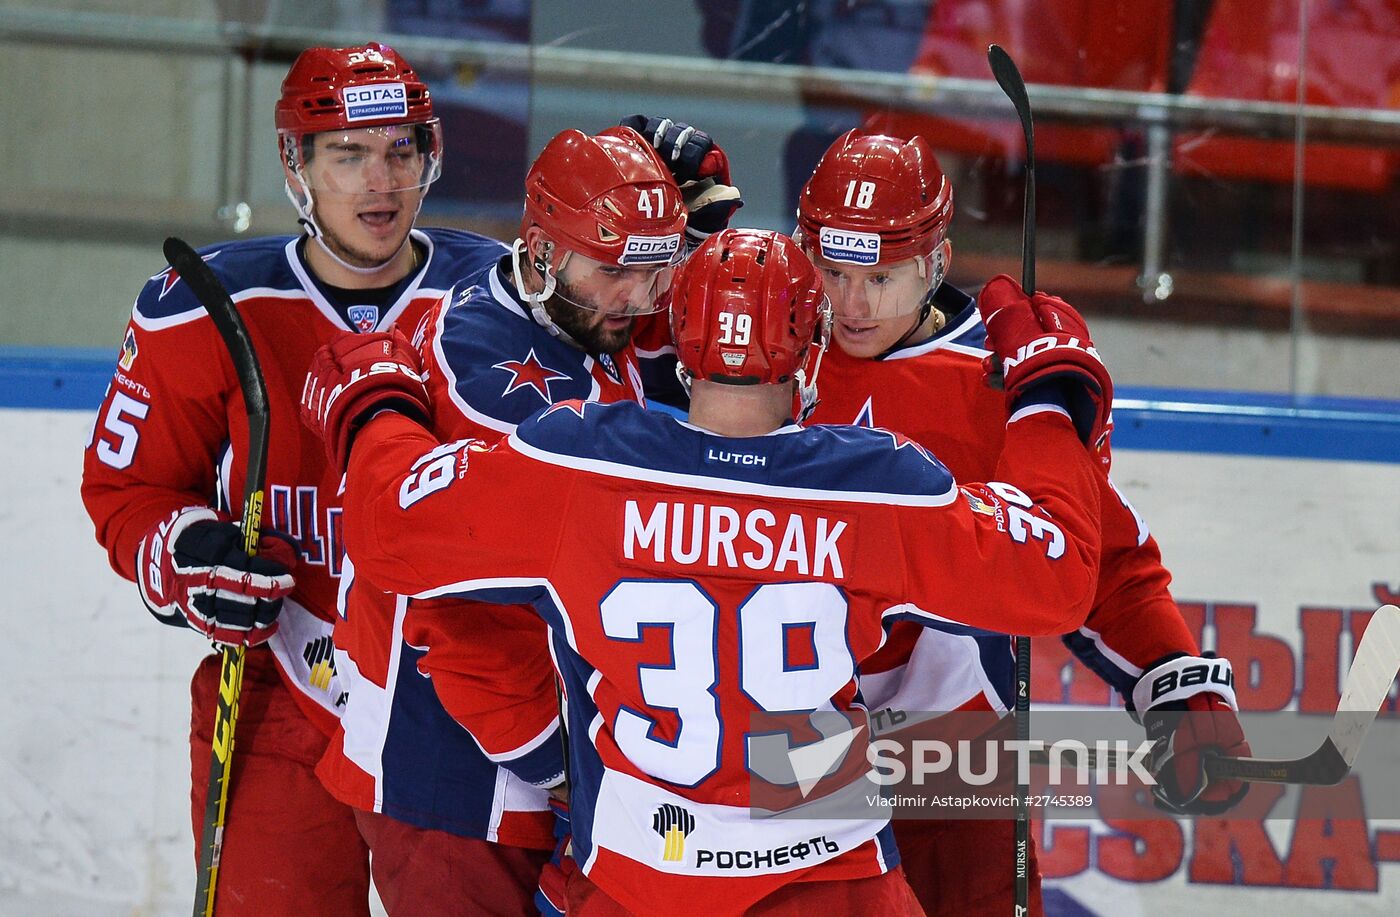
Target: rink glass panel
{"x":1209,"y":254}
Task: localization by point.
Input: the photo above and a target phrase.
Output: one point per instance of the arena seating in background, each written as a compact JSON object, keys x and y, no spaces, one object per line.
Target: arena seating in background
{"x":1103,"y":44}
{"x":1250,"y":51}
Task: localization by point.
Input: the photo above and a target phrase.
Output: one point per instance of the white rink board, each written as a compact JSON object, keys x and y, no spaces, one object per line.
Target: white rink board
{"x":1279,"y":534}
{"x":94,"y":772}
{"x":94,"y":750}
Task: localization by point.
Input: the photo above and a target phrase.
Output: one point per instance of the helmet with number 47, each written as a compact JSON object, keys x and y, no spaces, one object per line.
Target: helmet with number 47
{"x":601,"y":232}
{"x":749,"y":309}
{"x":874,"y":217}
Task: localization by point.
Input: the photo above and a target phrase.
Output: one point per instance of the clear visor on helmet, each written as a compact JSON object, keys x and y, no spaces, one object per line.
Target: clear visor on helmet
{"x":596,"y":286}
{"x":369,"y":160}
{"x":879,"y":292}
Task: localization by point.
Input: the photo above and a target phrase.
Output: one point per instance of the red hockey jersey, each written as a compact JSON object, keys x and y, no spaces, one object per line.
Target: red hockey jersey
{"x":932,"y":391}
{"x":413,"y":682}
{"x":680,"y":574}
{"x":172,"y":430}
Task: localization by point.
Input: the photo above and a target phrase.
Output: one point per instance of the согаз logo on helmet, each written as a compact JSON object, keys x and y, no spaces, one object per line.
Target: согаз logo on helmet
{"x":651,"y":249}
{"x":383,"y":100}
{"x":849,"y":246}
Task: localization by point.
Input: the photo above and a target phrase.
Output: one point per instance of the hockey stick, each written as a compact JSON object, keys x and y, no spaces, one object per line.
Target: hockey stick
{"x":1009,"y":78}
{"x":1368,"y":682}
{"x":215,"y":299}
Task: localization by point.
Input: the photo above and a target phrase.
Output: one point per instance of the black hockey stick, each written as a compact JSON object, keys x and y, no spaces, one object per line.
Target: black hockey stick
{"x":211,"y":294}
{"x":1009,"y":78}
{"x":1368,"y":683}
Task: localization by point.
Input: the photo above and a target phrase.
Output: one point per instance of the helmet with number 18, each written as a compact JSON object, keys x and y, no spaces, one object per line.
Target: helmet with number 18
{"x":874,"y":218}
{"x":360,"y":146}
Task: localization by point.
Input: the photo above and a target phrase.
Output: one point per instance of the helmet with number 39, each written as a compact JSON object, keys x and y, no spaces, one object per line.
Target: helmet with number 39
{"x":747,"y":309}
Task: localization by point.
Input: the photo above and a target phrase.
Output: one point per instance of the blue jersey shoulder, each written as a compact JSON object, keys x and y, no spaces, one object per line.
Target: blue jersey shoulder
{"x":458,"y":255}
{"x":239,"y":265}
{"x":868,"y":459}
{"x":263,"y":263}
{"x":500,"y":362}
{"x":835,"y":459}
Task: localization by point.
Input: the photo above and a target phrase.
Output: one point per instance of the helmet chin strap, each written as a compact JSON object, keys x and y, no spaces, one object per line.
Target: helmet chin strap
{"x":807,"y":391}
{"x":306,"y":213}
{"x":684,"y":376}
{"x":536,"y":300}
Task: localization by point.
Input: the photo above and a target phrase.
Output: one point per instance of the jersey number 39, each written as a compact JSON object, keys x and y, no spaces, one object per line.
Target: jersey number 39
{"x":688,"y":685}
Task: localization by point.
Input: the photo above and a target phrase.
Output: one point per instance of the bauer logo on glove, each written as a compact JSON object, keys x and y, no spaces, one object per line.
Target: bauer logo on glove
{"x":194,"y":572}
{"x":1174,"y":684}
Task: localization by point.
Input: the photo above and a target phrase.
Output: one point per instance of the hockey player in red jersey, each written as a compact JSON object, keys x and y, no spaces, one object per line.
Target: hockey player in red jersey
{"x":603,"y":225}
{"x":360,"y":146}
{"x":874,"y":217}
{"x":671,"y":560}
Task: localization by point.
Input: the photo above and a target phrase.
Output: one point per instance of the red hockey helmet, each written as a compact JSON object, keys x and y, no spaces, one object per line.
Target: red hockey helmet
{"x":351,"y":89}
{"x":608,"y":197}
{"x":383,"y":88}
{"x":875,"y":199}
{"x":746,"y":307}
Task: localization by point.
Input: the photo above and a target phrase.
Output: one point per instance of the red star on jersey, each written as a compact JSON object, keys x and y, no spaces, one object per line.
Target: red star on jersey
{"x":169,"y":278}
{"x":530,"y":371}
{"x":575,"y":407}
{"x":901,"y":441}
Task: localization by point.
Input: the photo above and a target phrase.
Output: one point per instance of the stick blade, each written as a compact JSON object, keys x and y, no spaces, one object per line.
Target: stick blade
{"x":1008,"y":77}
{"x":1368,"y":682}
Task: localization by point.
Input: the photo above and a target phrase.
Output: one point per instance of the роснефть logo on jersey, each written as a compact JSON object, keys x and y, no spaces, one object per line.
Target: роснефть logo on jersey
{"x":129,"y":350}
{"x":674,"y":824}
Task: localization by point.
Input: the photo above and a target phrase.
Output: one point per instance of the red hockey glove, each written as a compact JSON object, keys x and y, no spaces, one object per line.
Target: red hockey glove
{"x":1041,"y":339}
{"x":192,"y":570}
{"x":701,"y":169}
{"x":354,"y":376}
{"x":1187,"y":705}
